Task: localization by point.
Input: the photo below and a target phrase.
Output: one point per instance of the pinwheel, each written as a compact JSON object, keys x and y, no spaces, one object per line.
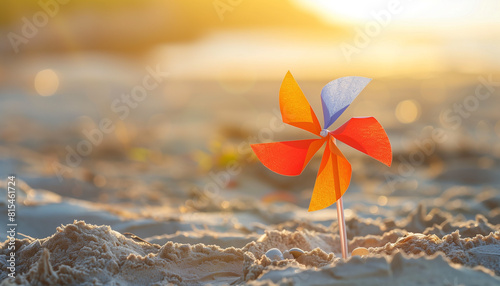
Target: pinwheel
{"x":291,"y":157}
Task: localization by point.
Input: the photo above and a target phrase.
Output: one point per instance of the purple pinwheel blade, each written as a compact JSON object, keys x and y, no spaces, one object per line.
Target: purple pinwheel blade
{"x":338,"y":94}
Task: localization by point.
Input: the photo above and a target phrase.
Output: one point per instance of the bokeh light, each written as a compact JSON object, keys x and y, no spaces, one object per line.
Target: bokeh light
{"x":46,"y":82}
{"x":382,"y":200}
{"x":407,"y":111}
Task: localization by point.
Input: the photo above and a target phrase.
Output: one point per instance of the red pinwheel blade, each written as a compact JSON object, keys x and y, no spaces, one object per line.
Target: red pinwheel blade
{"x":333,"y":178}
{"x":287,"y":158}
{"x":366,"y":135}
{"x":295,"y":109}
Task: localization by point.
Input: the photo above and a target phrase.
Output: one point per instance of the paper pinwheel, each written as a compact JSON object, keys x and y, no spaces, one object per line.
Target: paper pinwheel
{"x":362,"y":133}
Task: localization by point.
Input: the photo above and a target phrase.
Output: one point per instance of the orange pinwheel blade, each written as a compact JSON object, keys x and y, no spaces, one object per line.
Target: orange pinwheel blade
{"x":295,"y":109}
{"x":368,"y":136}
{"x":333,"y":178}
{"x":287,"y":158}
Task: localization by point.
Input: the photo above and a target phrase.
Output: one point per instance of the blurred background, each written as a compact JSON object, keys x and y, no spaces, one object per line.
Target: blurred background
{"x":154,"y":103}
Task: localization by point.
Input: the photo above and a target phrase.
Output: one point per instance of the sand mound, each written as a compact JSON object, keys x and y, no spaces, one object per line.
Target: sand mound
{"x":479,"y":250}
{"x":81,"y":253}
{"x":399,"y":269}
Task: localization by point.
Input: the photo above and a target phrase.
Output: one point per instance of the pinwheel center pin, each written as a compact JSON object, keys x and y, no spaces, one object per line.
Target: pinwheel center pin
{"x":324,"y":132}
{"x":334,"y":176}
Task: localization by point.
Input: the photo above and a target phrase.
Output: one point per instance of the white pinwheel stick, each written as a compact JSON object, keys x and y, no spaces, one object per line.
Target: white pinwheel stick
{"x":342,"y":230}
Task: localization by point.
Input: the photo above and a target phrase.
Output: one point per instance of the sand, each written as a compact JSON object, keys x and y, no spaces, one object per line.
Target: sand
{"x":153,"y":203}
{"x":81,"y":253}
{"x":425,"y":248}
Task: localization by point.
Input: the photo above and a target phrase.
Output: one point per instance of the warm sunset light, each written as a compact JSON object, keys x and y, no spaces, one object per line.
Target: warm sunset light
{"x":250,"y":142}
{"x":421,"y":13}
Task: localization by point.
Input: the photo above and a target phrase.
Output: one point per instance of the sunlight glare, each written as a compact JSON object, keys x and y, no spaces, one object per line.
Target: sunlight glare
{"x":421,"y":12}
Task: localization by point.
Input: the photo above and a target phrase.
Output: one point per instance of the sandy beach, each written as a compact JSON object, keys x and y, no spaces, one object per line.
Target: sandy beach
{"x":151,"y":216}
{"x":125,"y":156}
